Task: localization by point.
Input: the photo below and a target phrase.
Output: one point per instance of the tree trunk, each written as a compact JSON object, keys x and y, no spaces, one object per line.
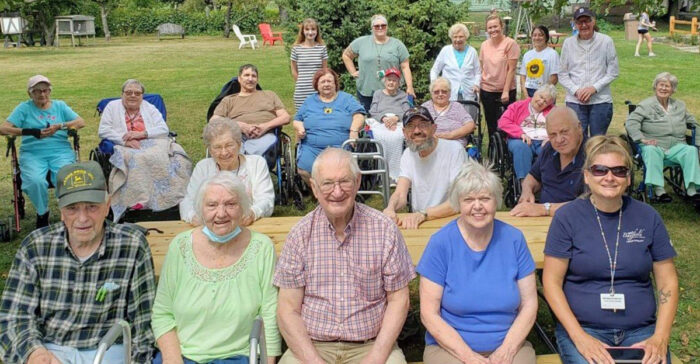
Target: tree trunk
{"x":284,"y":15}
{"x":105,"y":26}
{"x":227,"y":30}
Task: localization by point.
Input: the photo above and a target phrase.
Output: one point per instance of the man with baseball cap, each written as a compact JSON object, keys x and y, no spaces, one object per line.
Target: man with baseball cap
{"x":587,"y":68}
{"x":71,"y":281}
{"x":428,"y":167}
{"x":43,"y":124}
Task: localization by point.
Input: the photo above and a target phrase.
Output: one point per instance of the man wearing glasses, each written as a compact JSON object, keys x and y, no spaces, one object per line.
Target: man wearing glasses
{"x":587,"y":68}
{"x":428,"y":167}
{"x":343,"y":275}
{"x":557,"y":172}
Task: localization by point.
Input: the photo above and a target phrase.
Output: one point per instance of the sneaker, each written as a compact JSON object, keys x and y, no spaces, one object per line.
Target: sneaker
{"x":652,"y":54}
{"x":664,"y":198}
{"x":636,"y":54}
{"x":42,"y":220}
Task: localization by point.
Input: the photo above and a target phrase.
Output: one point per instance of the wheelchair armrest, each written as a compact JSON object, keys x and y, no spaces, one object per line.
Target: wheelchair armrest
{"x":10,"y":144}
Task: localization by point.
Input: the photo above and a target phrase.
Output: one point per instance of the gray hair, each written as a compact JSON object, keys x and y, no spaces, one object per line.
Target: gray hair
{"x":337,"y":158}
{"x":442,"y":80}
{"x":378,"y":17}
{"x":668,"y":77}
{"x":570,"y":113}
{"x":459,"y":27}
{"x":474,"y":177}
{"x":247,"y":66}
{"x":549,"y":90}
{"x":133,"y":81}
{"x":220,"y":126}
{"x":231,"y":183}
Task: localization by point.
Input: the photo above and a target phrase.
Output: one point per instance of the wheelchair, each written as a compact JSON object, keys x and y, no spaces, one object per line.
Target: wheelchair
{"x":475,"y":139}
{"x":502,"y":160}
{"x":281,"y":159}
{"x":17,"y":196}
{"x":104,"y":151}
{"x":673,"y":174}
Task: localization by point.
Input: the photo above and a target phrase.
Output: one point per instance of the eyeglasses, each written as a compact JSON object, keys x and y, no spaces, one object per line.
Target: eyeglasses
{"x":379,"y":26}
{"x":220,"y":148}
{"x":440,"y":92}
{"x":133,"y":93}
{"x":329,"y":186}
{"x":583,"y":21}
{"x":40,"y":91}
{"x":600,"y":171}
{"x":420,"y":125}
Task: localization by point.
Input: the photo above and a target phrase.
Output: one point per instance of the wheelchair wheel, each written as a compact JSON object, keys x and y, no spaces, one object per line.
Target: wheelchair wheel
{"x":498,"y":154}
{"x":289,"y":187}
{"x":513,"y":191}
{"x":103,"y":160}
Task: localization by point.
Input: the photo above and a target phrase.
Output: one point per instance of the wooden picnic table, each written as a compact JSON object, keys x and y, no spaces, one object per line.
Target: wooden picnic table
{"x":534,"y":228}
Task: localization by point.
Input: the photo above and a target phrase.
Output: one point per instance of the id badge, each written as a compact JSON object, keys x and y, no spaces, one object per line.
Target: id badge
{"x":612,"y":301}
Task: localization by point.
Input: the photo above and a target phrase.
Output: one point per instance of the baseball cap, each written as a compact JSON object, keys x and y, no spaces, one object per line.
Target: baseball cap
{"x":34,"y":80}
{"x":417,"y":112}
{"x":583,"y":11}
{"x":392,"y":71}
{"x":80,"y":182}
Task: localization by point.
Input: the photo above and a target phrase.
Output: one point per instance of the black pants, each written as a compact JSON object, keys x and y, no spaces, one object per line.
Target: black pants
{"x":494,"y":108}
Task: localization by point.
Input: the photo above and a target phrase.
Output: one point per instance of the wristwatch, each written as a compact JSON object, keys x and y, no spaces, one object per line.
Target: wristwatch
{"x":547,"y":207}
{"x":424,"y":213}
{"x":64,"y":126}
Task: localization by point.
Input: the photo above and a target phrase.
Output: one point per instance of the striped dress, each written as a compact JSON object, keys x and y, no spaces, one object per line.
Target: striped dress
{"x":309,"y":60}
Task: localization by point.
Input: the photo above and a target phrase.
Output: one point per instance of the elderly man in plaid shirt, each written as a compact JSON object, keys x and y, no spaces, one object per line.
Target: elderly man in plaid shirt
{"x":343,"y":275}
{"x":71,"y":281}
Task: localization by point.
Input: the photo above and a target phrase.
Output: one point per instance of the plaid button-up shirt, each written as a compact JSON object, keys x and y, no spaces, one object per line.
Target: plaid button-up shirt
{"x":345,"y":282}
{"x":51,"y":296}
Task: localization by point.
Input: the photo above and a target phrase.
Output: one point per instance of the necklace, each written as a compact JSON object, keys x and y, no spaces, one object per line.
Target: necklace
{"x":378,"y":51}
{"x":611,"y":261}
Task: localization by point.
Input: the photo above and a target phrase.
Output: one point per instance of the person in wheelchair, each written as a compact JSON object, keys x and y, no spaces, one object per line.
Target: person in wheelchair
{"x":43,"y":124}
{"x":659,"y":125}
{"x":428,"y":167}
{"x":73,"y":280}
{"x":215,"y":280}
{"x":257,"y":112}
{"x":524,"y":124}
{"x":223,"y":139}
{"x":556,"y":174}
{"x":326,"y":119}
{"x":452,"y":119}
{"x":388,"y":105}
{"x":149,"y":169}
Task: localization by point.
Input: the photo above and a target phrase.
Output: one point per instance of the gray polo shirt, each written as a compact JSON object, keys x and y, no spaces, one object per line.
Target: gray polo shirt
{"x":585,"y":63}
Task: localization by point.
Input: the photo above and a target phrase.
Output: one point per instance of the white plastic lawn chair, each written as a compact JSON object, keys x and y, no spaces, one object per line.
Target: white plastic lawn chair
{"x":245,"y":38}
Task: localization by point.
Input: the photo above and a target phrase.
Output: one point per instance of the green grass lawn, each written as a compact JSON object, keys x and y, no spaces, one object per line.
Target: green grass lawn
{"x":189,"y":74}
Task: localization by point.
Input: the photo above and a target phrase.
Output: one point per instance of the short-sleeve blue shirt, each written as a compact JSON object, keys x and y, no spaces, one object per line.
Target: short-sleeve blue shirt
{"x":28,"y":115}
{"x":558,"y":185}
{"x":327,"y":123}
{"x":480,"y":296}
{"x":575,"y":235}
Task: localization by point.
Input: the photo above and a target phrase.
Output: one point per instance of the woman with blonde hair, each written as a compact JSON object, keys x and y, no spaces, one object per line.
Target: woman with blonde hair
{"x":309,"y":54}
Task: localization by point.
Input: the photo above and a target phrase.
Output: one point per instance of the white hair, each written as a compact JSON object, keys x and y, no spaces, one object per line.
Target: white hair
{"x":132,"y":81}
{"x":231,"y":183}
{"x":459,"y":27}
{"x":337,"y":158}
{"x":378,"y":17}
{"x":474,"y":177}
{"x":668,"y":77}
{"x":440,"y":80}
{"x":548,"y":90}
{"x":220,"y":126}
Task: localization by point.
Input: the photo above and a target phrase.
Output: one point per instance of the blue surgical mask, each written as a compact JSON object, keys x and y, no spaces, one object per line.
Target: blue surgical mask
{"x":221,"y":238}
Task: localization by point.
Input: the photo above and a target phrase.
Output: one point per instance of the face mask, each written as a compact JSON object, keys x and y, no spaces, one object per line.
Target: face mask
{"x":221,"y":238}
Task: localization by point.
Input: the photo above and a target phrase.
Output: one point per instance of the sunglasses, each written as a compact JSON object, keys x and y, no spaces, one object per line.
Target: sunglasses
{"x":379,"y":26}
{"x":600,"y":170}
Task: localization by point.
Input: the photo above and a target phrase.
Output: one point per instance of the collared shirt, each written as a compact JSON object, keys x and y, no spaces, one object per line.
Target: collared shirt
{"x":345,"y":282}
{"x":52,"y":297}
{"x":558,"y":185}
{"x":585,"y":63}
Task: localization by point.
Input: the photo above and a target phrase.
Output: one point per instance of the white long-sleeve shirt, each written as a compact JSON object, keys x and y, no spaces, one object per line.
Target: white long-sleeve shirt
{"x":585,"y":63}
{"x":254,"y":174}
{"x":466,"y":77}
{"x":113,"y":121}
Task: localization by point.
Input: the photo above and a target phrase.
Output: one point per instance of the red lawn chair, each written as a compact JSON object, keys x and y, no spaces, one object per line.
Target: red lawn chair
{"x":268,"y":35}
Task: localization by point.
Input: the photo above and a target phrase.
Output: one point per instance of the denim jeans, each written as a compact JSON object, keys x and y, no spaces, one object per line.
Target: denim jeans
{"x":611,"y":337}
{"x":238,"y":359}
{"x":523,"y":155}
{"x":595,"y":117}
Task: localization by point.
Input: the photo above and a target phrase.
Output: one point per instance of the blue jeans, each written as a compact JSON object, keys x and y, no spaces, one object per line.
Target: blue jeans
{"x":238,"y":359}
{"x":595,"y":117}
{"x":530,"y":91}
{"x":523,"y":155}
{"x":611,"y":337}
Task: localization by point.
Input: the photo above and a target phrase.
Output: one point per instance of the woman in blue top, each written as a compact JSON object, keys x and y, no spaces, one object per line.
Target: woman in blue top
{"x":478,"y":298}
{"x":599,"y":254}
{"x":43,"y":124}
{"x":326,"y":119}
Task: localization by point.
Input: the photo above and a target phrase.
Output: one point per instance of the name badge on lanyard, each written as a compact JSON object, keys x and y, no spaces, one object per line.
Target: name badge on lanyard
{"x":612,"y":301}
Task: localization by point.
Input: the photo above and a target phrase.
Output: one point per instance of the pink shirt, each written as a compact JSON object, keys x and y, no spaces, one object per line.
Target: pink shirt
{"x":519,"y":118}
{"x":345,"y":282}
{"x":494,"y":63}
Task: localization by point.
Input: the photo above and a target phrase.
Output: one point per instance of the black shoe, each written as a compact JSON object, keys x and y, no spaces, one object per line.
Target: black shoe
{"x":42,"y":220}
{"x":695,"y":198}
{"x":664,"y":198}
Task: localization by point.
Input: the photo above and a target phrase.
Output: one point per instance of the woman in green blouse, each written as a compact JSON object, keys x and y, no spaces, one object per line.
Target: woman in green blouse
{"x":215,"y":280}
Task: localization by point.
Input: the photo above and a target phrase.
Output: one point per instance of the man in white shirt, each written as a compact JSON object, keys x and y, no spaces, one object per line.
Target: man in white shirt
{"x":428,"y":167}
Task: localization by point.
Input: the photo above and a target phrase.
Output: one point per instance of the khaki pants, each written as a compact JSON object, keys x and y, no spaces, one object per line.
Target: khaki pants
{"x":434,"y":354}
{"x":344,"y":353}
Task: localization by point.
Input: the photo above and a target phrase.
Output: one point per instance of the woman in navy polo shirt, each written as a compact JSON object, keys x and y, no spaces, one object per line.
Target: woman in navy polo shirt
{"x":599,"y":254}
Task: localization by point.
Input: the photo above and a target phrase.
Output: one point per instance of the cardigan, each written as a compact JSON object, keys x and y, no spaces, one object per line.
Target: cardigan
{"x":113,"y":121}
{"x":514,"y":115}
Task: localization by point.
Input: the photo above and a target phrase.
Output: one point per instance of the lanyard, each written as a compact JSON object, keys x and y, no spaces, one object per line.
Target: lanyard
{"x":611,"y":261}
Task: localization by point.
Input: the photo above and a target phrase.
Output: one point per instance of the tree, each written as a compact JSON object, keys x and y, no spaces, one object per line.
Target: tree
{"x":105,"y":7}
